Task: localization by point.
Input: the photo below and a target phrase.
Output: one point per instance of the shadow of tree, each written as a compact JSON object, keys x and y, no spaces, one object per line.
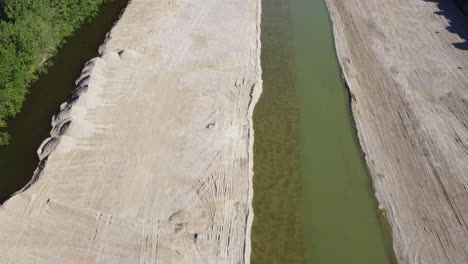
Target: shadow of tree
{"x":2,"y":6}
{"x":453,"y":12}
{"x":463,"y":5}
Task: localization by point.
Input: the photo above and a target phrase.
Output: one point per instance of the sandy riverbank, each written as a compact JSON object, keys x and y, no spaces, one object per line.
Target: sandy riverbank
{"x":406,"y":65}
{"x":151,"y":159}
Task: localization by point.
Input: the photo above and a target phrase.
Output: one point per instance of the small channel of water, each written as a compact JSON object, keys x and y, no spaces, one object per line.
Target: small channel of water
{"x":313,"y":197}
{"x":18,"y":160}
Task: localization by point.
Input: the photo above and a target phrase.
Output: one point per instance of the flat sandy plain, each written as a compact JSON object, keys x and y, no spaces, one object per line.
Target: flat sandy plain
{"x":406,"y":65}
{"x":150,"y":161}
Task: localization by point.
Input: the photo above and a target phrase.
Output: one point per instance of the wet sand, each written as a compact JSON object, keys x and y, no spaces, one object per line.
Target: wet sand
{"x":406,"y":65}
{"x":150,"y":161}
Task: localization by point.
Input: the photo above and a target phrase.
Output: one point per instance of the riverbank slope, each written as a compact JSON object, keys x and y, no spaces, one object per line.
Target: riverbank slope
{"x":406,"y":65}
{"x":151,"y":159}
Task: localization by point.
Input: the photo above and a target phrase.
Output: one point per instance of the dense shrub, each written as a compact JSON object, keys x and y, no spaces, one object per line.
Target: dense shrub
{"x":30,"y":32}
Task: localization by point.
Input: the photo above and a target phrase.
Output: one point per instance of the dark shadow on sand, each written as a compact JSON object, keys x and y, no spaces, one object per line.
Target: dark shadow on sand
{"x":458,"y":19}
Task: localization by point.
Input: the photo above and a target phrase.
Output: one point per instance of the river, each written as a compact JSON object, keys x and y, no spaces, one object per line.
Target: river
{"x":313,"y":196}
{"x":28,"y":129}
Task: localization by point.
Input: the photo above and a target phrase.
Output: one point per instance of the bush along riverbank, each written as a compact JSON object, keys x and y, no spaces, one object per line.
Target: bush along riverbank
{"x":31,"y":31}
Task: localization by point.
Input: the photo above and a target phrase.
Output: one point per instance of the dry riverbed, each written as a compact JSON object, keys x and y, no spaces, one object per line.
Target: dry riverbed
{"x":150,"y":161}
{"x":406,"y":64}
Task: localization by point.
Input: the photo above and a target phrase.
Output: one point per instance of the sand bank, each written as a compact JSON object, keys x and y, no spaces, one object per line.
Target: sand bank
{"x":150,"y":161}
{"x":407,"y":72}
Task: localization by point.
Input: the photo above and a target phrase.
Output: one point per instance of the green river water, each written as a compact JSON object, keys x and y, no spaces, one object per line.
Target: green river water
{"x":313,"y":197}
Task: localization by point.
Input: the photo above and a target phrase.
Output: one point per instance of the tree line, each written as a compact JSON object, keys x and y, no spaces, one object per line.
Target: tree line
{"x":31,"y":31}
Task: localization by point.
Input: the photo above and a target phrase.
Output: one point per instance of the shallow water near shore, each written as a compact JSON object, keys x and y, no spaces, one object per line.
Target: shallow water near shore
{"x":18,"y":160}
{"x":313,"y":197}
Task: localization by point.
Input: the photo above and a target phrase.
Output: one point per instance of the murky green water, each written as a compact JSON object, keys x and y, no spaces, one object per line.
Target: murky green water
{"x":18,"y":160}
{"x":277,"y":230}
{"x":313,"y":198}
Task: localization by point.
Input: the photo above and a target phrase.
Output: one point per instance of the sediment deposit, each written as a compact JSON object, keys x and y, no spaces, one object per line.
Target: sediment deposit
{"x":150,"y":161}
{"x":406,"y":65}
